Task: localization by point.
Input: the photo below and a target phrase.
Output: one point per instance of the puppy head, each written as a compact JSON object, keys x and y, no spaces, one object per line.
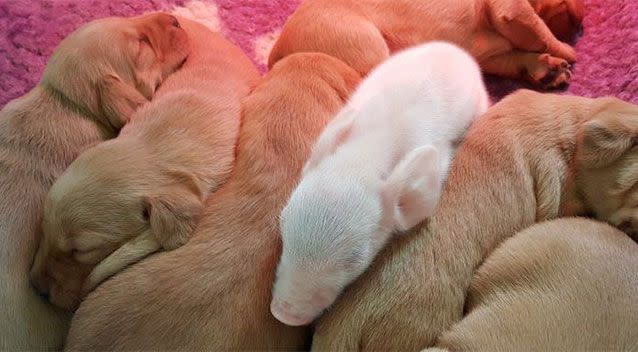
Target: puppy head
{"x":89,"y":211}
{"x":563,"y":17}
{"x":107,"y":198}
{"x":607,"y":164}
{"x":329,"y":231}
{"x":111,"y":66}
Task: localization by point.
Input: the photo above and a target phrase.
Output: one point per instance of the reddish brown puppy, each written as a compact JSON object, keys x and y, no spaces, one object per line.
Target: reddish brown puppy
{"x":97,"y":77}
{"x":214,"y":293}
{"x":507,"y":37}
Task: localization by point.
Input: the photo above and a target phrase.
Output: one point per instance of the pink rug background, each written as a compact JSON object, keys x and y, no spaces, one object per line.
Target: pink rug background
{"x":607,"y":51}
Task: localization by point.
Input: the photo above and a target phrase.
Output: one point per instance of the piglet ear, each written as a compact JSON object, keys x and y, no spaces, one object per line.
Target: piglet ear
{"x":118,"y":100}
{"x":412,"y":190}
{"x":335,"y":134}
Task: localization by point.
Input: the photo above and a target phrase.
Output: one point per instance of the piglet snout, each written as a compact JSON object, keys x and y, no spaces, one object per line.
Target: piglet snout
{"x":287,"y":314}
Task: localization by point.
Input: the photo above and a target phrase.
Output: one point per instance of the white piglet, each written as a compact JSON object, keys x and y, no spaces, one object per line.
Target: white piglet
{"x":377,"y":169}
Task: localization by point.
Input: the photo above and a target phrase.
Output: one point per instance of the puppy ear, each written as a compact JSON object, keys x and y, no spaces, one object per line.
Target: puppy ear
{"x":606,"y":137}
{"x":412,"y":190}
{"x":335,"y":134}
{"x":118,"y":100}
{"x":173,"y":216}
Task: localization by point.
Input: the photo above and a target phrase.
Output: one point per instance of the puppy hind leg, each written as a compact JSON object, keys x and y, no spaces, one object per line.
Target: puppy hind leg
{"x":350,"y":38}
{"x":517,"y":21}
{"x":541,"y":70}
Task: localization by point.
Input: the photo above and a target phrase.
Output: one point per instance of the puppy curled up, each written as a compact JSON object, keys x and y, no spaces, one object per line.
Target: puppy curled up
{"x":562,"y":285}
{"x":144,"y":190}
{"x":95,"y":80}
{"x":218,"y":285}
{"x":508,"y":38}
{"x":530,"y":157}
{"x":378,"y":168}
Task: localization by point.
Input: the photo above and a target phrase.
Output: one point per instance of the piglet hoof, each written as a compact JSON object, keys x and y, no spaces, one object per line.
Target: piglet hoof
{"x":550,"y":72}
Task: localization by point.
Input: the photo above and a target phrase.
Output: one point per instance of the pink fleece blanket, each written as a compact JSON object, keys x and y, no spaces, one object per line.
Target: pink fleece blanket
{"x":607,"y":51}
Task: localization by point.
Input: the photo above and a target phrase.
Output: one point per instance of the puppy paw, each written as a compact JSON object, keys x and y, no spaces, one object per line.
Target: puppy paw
{"x":549,"y":72}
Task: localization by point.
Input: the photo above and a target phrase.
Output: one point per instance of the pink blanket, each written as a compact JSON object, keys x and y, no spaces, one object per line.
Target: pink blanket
{"x":607,"y":51}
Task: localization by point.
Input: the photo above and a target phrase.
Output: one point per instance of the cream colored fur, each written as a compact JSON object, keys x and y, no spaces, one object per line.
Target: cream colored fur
{"x":527,"y":159}
{"x":563,"y":285}
{"x":151,"y":181}
{"x":89,"y":90}
{"x":214,"y":292}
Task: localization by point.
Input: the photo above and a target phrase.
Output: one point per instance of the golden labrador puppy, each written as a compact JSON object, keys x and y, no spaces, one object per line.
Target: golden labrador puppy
{"x":531,"y":157}
{"x":94,"y":81}
{"x":144,"y":190}
{"x":564,"y":285}
{"x":214,"y":292}
{"x":507,"y":37}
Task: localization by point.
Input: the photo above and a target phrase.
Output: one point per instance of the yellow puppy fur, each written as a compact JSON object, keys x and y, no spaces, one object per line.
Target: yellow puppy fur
{"x":563,"y":285}
{"x":144,"y":191}
{"x":214,"y":292}
{"x":93,"y":83}
{"x":531,"y":157}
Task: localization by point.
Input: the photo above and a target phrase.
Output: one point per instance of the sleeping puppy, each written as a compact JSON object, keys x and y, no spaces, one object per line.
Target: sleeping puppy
{"x":564,"y":285}
{"x":144,"y":190}
{"x":376,"y":170}
{"x":95,"y":80}
{"x":531,"y":157}
{"x":507,"y":37}
{"x":214,"y":292}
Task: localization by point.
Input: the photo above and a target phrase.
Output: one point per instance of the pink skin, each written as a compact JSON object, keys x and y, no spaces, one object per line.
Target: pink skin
{"x":283,"y":312}
{"x":301,"y":313}
{"x":303,"y":290}
{"x":344,"y":210}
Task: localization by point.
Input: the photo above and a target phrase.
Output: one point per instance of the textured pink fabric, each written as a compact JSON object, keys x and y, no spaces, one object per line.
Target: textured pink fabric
{"x":607,"y":51}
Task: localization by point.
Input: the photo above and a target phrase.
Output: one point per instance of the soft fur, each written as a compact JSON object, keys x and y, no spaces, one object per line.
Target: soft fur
{"x":507,"y":37}
{"x":378,"y":168}
{"x":214,"y":292}
{"x":530,"y":158}
{"x":144,"y":190}
{"x":564,"y":285}
{"x":94,"y":81}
